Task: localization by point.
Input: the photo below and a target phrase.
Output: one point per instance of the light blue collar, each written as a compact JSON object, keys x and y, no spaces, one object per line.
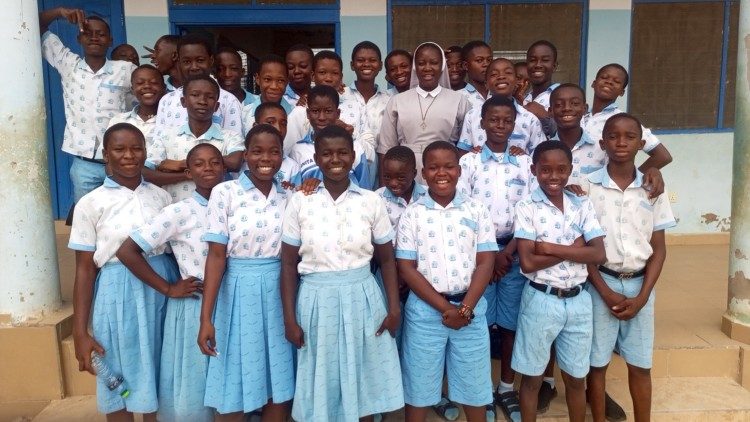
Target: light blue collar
{"x":601,"y":177}
{"x":290,"y":93}
{"x":110,"y":182}
{"x":470,"y":88}
{"x":585,"y":139}
{"x":200,"y":199}
{"x":538,"y":195}
{"x":428,"y":202}
{"x":416,"y":193}
{"x":250,"y":98}
{"x":248,"y":184}
{"x":308,"y":139}
{"x":213,"y":132}
{"x":508,"y":158}
{"x":353,"y":186}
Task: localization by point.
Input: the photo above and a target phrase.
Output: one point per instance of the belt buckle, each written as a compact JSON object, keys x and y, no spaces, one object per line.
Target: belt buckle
{"x":560,"y":293}
{"x":625,"y":276}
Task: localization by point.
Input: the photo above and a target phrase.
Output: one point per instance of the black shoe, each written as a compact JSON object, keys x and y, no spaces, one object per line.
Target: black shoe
{"x":495,"y":342}
{"x":613,"y":412}
{"x":510,"y":405}
{"x":546,"y":394}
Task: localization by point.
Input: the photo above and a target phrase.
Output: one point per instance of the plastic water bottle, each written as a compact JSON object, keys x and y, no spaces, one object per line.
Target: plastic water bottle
{"x":114,"y":382}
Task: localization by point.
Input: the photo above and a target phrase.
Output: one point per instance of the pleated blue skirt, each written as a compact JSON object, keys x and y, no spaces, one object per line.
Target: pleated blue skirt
{"x":344,"y":371}
{"x":255,"y":361}
{"x":127,"y":321}
{"x":182,"y":379}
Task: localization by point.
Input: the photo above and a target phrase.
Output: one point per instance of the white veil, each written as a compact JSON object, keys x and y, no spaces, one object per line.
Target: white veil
{"x":444,"y":79}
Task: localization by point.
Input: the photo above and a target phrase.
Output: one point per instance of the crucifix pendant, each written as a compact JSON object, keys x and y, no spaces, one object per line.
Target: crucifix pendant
{"x":423,"y":125}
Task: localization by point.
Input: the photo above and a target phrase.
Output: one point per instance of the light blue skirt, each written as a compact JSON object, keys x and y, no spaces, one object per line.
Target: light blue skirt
{"x":344,"y":371}
{"x":127,"y":321}
{"x":255,"y":361}
{"x":182,"y":379}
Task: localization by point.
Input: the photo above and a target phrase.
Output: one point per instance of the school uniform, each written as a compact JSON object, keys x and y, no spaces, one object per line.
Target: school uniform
{"x":444,"y":242}
{"x":182,"y":378}
{"x":249,"y":98}
{"x":344,"y":370}
{"x":593,"y":125}
{"x":403,"y":125}
{"x":629,"y":217}
{"x":172,"y":114}
{"x":475,"y":98}
{"x":255,"y":361}
{"x":499,"y":181}
{"x":91,"y":99}
{"x":542,"y":98}
{"x":145,"y":126}
{"x":303,"y":153}
{"x":561,"y":311}
{"x":288,"y":172}
{"x":126,"y":314}
{"x":527,"y":132}
{"x":290,"y":96}
{"x":248,"y":113}
{"x":588,"y":157}
{"x":298,"y":125}
{"x":175,"y":145}
{"x":168,"y":82}
{"x":391,"y":91}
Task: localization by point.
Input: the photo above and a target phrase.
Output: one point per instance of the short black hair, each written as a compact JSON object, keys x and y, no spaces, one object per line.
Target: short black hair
{"x":402,"y":154}
{"x":193,"y":39}
{"x":169,"y":39}
{"x":367,"y":45}
{"x":229,"y":50}
{"x":438,"y":146}
{"x":470,"y":46}
{"x":520,"y":63}
{"x":622,"y":116}
{"x":117,"y":127}
{"x":619,"y":67}
{"x":197,"y":148}
{"x":301,"y":47}
{"x":454,"y":49}
{"x":147,"y":67}
{"x":271,"y":58}
{"x":265,"y":106}
{"x":123,"y":45}
{"x":333,"y":131}
{"x":327,"y":55}
{"x":323,"y":91}
{"x":206,"y":78}
{"x":260,"y":129}
{"x":543,"y":43}
{"x":551,"y":146}
{"x":398,"y":52}
{"x":499,"y":101}
{"x":567,"y":85}
{"x":100,"y":19}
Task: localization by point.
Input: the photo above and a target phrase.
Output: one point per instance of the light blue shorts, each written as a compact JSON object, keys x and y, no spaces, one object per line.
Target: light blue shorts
{"x":430,"y":350}
{"x":545,"y":319}
{"x":504,"y":298}
{"x":85,"y":176}
{"x":633,"y":339}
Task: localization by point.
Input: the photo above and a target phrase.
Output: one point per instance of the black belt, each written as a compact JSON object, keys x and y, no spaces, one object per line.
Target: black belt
{"x":556,"y":291}
{"x":454,"y":297}
{"x":623,"y":275}
{"x":90,"y":160}
{"x":503,"y":241}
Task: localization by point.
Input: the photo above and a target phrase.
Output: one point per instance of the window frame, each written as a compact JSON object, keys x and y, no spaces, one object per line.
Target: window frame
{"x":719,"y":124}
{"x":487,"y":27}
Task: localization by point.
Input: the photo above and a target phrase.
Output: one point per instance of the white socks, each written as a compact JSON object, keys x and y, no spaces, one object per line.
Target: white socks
{"x":550,"y":381}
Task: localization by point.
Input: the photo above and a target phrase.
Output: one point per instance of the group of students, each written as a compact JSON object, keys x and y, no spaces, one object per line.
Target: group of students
{"x":343,"y":251}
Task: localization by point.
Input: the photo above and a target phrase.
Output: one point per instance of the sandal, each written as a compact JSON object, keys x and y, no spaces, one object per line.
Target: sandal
{"x":510,"y":405}
{"x":490,"y":412}
{"x":446,"y":409}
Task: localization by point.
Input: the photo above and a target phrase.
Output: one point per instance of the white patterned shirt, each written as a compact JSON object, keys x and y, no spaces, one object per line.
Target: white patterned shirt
{"x":396,"y":205}
{"x":176,"y":144}
{"x":172,"y":114}
{"x":498,"y":181}
{"x":245,"y":220}
{"x":588,"y":157}
{"x":373,"y":109}
{"x":527,"y":132}
{"x":90,"y":98}
{"x":629,"y":218}
{"x":288,"y":172}
{"x":445,"y":241}
{"x":593,"y":124}
{"x":132,"y":117}
{"x":537,"y":219}
{"x":303,"y":153}
{"x":475,"y":98}
{"x":181,"y":225}
{"x":543,"y":97}
{"x":336,"y":235}
{"x":298,"y":125}
{"x":106,"y":216}
{"x":290,"y":96}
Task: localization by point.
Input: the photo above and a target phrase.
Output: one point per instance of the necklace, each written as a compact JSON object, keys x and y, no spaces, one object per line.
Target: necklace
{"x":423,"y":125}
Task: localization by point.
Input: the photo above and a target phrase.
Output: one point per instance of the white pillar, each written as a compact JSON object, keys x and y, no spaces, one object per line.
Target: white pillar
{"x":29,"y":277}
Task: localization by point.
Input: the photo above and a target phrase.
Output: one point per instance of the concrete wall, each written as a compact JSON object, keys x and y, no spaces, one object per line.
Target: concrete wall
{"x":700,"y":176}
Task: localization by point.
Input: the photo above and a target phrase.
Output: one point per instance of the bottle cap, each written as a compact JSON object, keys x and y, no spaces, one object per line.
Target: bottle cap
{"x":125,"y":394}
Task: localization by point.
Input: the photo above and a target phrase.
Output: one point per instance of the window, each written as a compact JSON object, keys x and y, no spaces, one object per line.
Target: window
{"x":683,"y":61}
{"x":508,"y":27}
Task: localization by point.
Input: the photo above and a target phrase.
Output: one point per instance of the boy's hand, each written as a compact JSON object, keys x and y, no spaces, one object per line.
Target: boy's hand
{"x":613,"y":299}
{"x":653,"y":182}
{"x":628,"y":308}
{"x":294,"y":334}
{"x":309,"y":186}
{"x":576,"y":189}
{"x":542,"y":248}
{"x":285,"y":184}
{"x":476,"y":149}
{"x":302,"y":102}
{"x":74,"y":16}
{"x":185,"y":288}
{"x":536,"y":109}
{"x":349,"y":128}
{"x":390,"y":322}
{"x":84,"y":345}
{"x":207,"y":339}
{"x":452,"y":319}
{"x":520,"y":91}
{"x":503,"y":262}
{"x":515,"y":151}
{"x":172,"y":166}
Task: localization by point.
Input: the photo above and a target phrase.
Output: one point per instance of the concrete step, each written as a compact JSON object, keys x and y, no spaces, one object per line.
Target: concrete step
{"x":76,"y":383}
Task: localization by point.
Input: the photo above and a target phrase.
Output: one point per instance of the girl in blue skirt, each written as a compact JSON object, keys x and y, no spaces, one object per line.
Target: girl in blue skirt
{"x":127,"y":314}
{"x":182,"y":378}
{"x":252,"y":365}
{"x":346,"y":369}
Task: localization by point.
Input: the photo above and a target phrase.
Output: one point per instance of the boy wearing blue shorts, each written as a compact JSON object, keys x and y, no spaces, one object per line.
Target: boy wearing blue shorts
{"x":445,"y":251}
{"x":558,"y":234}
{"x":622,"y":289}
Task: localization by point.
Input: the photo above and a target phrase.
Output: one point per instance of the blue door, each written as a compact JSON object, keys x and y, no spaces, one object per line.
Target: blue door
{"x":59,"y":162}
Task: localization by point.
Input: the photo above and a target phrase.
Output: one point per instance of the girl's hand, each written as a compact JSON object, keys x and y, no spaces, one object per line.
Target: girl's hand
{"x":207,"y":339}
{"x":84,"y":345}
{"x":302,"y":102}
{"x":452,"y":319}
{"x":172,"y":166}
{"x":576,"y":189}
{"x":309,"y":186}
{"x":515,"y":151}
{"x":390,"y":323}
{"x":349,"y":128}
{"x":294,"y":334}
{"x":185,"y":288}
